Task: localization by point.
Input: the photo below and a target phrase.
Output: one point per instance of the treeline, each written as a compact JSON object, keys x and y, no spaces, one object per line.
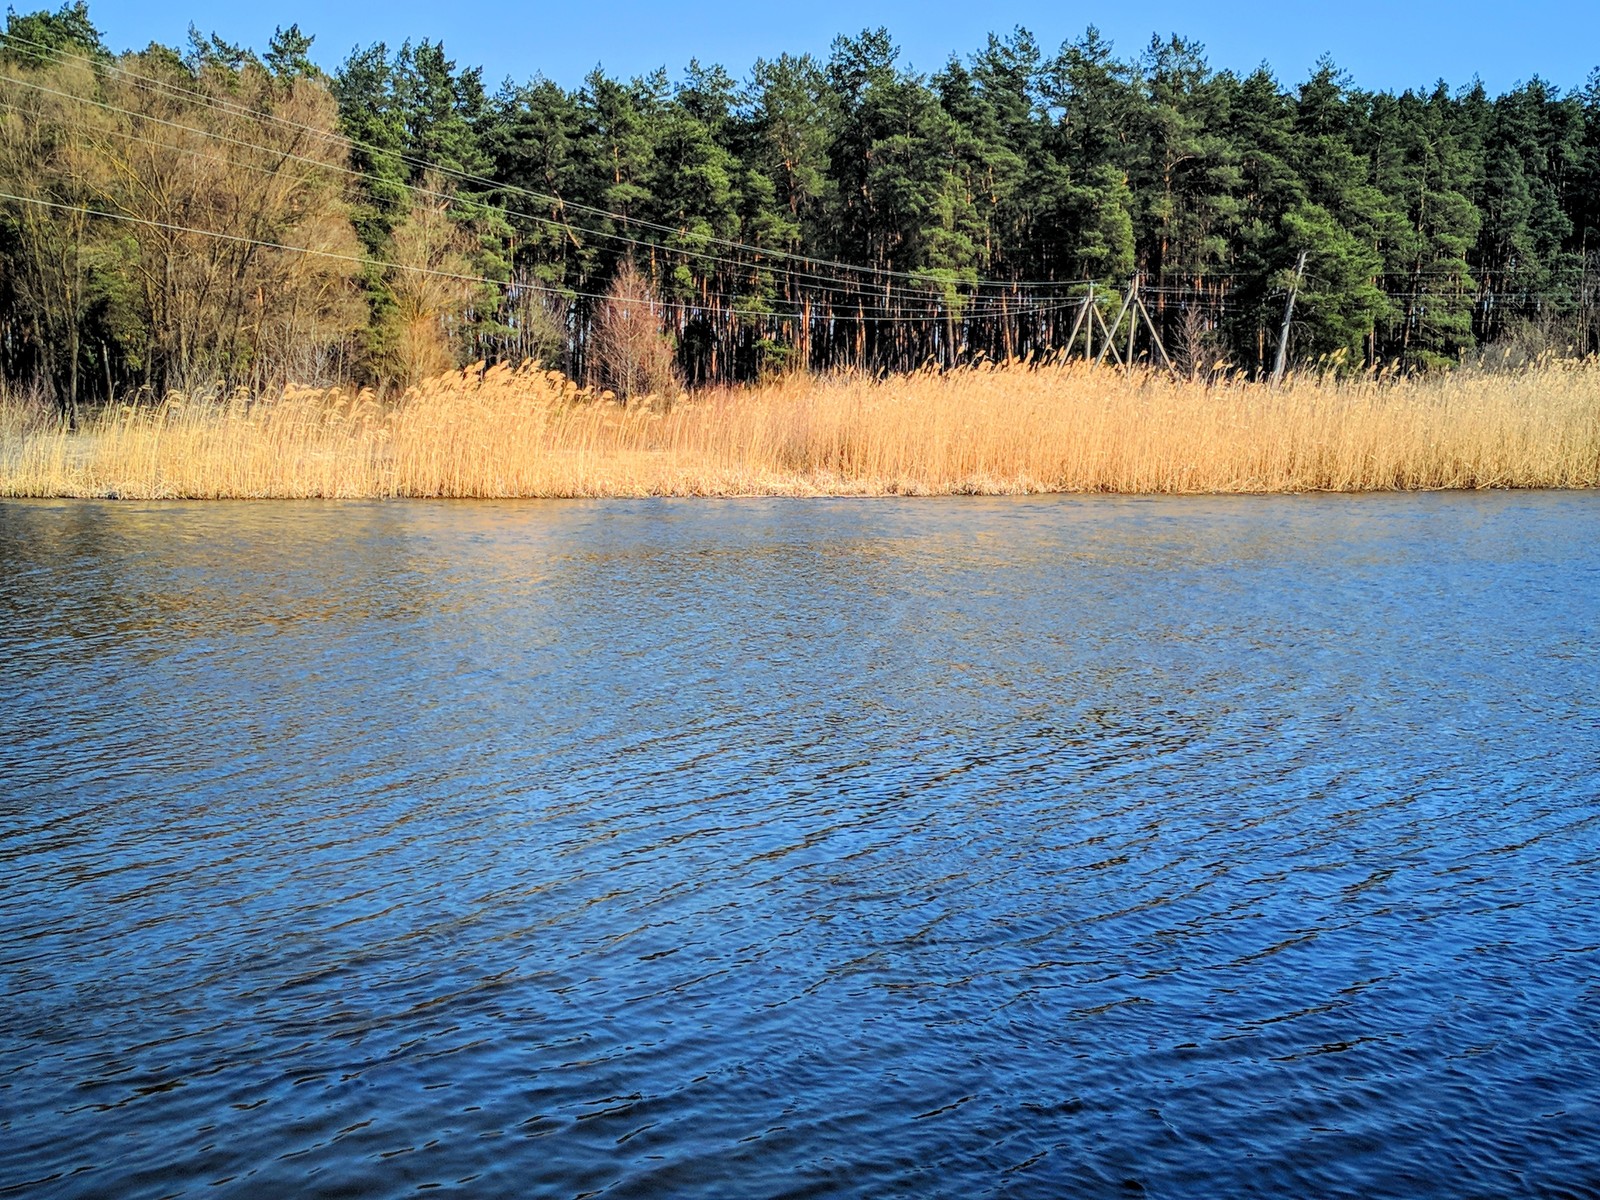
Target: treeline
{"x":173,"y":217}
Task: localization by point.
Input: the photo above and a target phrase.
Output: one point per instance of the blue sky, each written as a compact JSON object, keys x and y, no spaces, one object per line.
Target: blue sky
{"x":1389,"y":45}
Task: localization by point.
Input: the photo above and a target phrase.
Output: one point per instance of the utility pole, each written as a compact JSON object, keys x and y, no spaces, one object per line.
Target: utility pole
{"x":1133,"y":324}
{"x":1083,"y":313}
{"x":1288,"y":316}
{"x":1110,"y":346}
{"x":1155,"y":335}
{"x":1088,"y":332}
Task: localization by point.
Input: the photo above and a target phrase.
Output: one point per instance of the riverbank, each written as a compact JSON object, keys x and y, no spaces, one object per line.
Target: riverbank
{"x":985,"y":430}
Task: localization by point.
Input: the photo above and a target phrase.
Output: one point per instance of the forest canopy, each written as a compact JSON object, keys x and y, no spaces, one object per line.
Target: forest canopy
{"x":180,"y":217}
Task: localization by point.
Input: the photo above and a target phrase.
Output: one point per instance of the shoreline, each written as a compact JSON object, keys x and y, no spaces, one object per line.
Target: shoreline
{"x":795,"y":494}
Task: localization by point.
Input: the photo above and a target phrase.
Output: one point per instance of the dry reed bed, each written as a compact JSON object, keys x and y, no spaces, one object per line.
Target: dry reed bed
{"x":985,"y":430}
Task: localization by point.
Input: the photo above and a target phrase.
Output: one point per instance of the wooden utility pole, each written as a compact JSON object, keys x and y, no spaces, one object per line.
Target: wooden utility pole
{"x":1155,"y":335}
{"x":1133,"y":307}
{"x":1088,"y":330}
{"x":1111,"y":333}
{"x":1288,"y":316}
{"x":1133,"y":324}
{"x":1110,"y":339}
{"x":1079,"y":320}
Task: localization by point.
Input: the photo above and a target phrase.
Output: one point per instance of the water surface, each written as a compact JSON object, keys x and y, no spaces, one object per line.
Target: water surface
{"x":1232,"y":847}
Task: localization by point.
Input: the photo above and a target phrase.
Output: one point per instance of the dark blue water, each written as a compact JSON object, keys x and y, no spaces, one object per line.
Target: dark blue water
{"x":1236,"y":847}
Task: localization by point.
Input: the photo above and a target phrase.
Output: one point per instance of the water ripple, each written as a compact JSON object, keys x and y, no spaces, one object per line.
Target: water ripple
{"x":1013,"y":848}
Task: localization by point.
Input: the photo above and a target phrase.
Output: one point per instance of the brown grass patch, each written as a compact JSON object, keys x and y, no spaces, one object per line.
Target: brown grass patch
{"x":985,"y":430}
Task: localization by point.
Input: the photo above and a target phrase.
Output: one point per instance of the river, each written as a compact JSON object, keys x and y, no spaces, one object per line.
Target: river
{"x":1026,"y":847}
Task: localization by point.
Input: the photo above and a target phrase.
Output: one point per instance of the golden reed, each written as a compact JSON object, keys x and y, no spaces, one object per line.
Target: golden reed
{"x":981,"y":430}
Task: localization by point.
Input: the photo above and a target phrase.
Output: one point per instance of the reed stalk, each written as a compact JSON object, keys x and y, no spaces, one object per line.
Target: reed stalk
{"x":981,"y":430}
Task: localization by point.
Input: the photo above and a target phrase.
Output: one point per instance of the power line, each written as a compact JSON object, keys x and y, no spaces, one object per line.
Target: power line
{"x":968,"y":307}
{"x":877,"y":310}
{"x":361,"y":260}
{"x":830,"y":282}
{"x":221,"y":104}
{"x":290,"y":156}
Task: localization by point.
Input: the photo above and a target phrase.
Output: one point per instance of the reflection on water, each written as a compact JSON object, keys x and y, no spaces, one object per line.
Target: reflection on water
{"x":1024,"y":848}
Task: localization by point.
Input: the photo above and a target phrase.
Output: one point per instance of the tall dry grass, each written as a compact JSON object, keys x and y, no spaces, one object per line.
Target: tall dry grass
{"x":980,"y":430}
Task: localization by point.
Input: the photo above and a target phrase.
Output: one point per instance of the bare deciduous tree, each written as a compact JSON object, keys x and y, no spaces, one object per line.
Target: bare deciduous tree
{"x":234,"y":303}
{"x":44,"y":127}
{"x":632,"y":357}
{"x":1197,"y":349}
{"x":430,"y":280}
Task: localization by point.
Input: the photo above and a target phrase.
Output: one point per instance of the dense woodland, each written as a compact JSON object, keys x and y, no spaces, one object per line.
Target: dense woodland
{"x":184,"y":217}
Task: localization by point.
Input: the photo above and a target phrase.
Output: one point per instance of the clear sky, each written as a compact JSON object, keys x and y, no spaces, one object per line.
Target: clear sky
{"x":1389,"y":44}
